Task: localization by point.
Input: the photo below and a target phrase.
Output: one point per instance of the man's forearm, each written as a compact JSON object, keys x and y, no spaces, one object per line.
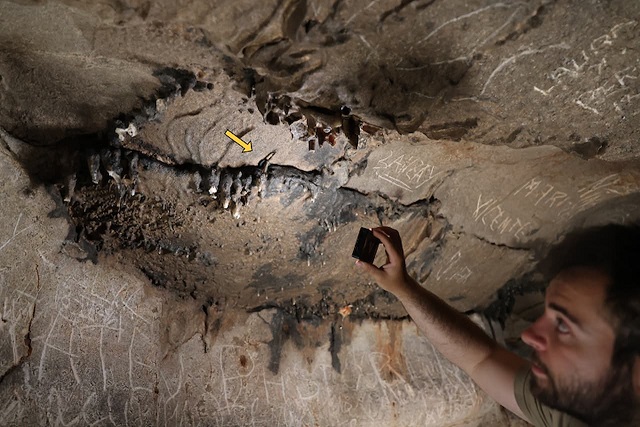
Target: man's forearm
{"x":458,"y":339}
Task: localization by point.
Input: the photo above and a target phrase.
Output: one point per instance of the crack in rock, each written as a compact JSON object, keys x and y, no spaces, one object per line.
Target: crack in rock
{"x":499,"y":245}
{"x":27,"y":337}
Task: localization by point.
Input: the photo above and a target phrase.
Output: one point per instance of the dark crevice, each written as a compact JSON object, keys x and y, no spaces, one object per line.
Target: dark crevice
{"x":247,"y":39}
{"x":425,"y":4}
{"x":205,"y":309}
{"x":500,"y":245}
{"x":156,"y":388}
{"x":359,"y":315}
{"x":454,"y":130}
{"x":190,"y":113}
{"x":533,"y":21}
{"x":403,"y":4}
{"x":27,"y":337}
{"x":283,"y":328}
{"x":513,"y":135}
{"x":286,"y":326}
{"x":335,"y":7}
{"x":335,"y":344}
{"x":327,"y":308}
{"x":5,"y":138}
{"x":262,"y":307}
{"x":504,"y":299}
{"x":12,"y":369}
{"x":589,"y":147}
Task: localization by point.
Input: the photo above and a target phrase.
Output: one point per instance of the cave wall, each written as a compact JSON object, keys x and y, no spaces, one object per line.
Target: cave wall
{"x":153,"y":272}
{"x":95,"y":344}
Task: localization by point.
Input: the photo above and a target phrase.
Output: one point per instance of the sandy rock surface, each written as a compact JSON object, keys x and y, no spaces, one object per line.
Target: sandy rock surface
{"x":155,"y":271}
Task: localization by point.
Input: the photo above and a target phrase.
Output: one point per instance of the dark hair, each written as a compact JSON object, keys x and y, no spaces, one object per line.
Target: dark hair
{"x":615,"y":250}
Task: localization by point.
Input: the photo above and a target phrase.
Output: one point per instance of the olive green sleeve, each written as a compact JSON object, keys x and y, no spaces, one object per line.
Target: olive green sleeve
{"x":538,"y":414}
{"x":529,"y":405}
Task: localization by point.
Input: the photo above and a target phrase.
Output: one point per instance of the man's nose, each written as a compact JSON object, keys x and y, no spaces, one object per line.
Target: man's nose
{"x":535,"y":336}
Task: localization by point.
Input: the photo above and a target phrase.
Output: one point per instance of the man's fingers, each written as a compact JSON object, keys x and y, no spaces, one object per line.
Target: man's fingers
{"x":391,"y":241}
{"x":370,"y":269}
{"x":387,"y":230}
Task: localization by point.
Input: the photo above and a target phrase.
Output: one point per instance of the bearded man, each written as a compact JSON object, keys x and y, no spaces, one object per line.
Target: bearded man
{"x":585,"y":368}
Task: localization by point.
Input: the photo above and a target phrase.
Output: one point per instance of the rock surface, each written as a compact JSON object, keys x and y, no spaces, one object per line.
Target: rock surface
{"x":154,"y":272}
{"x":86,"y":343}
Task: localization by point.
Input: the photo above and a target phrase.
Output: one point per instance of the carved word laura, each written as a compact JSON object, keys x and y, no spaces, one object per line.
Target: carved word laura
{"x":618,"y":86}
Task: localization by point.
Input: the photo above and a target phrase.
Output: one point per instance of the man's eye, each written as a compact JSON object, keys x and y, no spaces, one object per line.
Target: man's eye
{"x":562,"y":326}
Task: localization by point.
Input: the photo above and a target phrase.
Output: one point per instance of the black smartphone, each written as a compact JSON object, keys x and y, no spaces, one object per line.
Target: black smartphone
{"x":366,"y":246}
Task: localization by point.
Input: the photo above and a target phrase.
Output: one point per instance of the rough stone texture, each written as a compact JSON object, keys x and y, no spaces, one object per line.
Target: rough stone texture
{"x":153,"y":273}
{"x":44,"y":63}
{"x":156,"y":359}
{"x":192,"y":130}
{"x":19,"y":288}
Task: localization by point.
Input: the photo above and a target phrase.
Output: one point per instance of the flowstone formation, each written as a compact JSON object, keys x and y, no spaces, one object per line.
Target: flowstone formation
{"x":156,"y":268}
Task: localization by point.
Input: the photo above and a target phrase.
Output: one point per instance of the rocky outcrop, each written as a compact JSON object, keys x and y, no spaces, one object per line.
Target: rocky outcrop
{"x":153,"y":269}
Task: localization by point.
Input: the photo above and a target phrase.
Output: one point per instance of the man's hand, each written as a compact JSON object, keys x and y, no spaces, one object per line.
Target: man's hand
{"x":392,"y":276}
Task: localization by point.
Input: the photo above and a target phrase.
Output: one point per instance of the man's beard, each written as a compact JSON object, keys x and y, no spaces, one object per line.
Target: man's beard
{"x":608,"y":402}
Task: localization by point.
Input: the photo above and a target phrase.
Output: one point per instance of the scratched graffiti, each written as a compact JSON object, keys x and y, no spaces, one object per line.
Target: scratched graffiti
{"x":454,"y":270}
{"x":240,"y":390}
{"x":616,"y":88}
{"x":546,"y":200}
{"x":502,"y":15}
{"x":491,"y":213}
{"x":564,"y":203}
{"x":231,"y":385}
{"x":110,"y":381}
{"x":407,"y":172}
{"x":16,"y":299}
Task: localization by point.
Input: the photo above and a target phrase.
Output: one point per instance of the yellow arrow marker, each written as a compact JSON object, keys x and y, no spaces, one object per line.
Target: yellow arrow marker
{"x":246,"y":146}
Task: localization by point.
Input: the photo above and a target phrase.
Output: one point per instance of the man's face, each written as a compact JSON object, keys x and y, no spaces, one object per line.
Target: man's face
{"x":573,"y":342}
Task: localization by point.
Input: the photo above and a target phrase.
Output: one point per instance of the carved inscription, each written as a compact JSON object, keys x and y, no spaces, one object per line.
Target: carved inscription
{"x":455,"y":270}
{"x":616,"y":88}
{"x":16,"y":302}
{"x":407,"y":172}
{"x":491,"y":213}
{"x":546,"y":200}
{"x":564,"y":203}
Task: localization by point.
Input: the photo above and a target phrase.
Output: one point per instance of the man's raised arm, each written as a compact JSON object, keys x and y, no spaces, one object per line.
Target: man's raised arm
{"x":460,"y":340}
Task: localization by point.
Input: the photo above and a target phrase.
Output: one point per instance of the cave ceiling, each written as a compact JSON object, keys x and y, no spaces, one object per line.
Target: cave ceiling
{"x":481,"y":130}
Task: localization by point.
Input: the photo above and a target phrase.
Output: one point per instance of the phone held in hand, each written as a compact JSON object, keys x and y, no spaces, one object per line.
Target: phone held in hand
{"x":366,"y":246}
